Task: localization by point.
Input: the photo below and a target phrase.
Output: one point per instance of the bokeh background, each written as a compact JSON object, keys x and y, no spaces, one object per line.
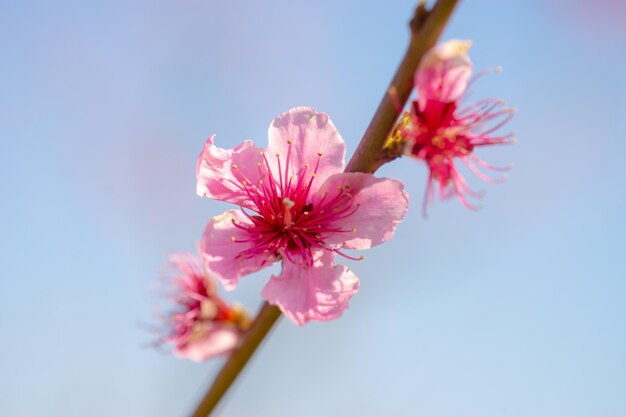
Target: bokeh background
{"x":516,"y":310}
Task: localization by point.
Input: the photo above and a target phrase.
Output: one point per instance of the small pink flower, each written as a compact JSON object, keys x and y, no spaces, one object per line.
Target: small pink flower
{"x":203,"y":325}
{"x":296,"y":206}
{"x":438,"y":130}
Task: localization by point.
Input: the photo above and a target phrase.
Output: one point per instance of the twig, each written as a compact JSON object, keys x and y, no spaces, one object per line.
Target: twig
{"x":426,"y":27}
{"x":268,"y":315}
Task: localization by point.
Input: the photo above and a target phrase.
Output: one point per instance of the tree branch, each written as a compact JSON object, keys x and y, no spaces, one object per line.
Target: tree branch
{"x":426,"y":27}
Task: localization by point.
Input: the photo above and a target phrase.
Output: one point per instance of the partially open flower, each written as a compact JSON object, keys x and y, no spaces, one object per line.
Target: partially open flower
{"x":298,"y":207}
{"x":202,"y":325}
{"x":438,"y":129}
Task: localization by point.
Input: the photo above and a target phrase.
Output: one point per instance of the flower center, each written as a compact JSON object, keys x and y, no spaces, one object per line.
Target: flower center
{"x":289,"y":222}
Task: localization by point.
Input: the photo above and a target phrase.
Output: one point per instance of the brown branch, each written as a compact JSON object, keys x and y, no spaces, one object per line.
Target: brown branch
{"x":268,"y":315}
{"x":426,"y":27}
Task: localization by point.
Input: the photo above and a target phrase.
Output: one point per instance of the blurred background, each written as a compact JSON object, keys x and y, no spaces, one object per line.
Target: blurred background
{"x":515,"y":310}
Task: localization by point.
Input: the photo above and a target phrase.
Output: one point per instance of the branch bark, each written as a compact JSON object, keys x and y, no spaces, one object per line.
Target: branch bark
{"x":426,"y":27}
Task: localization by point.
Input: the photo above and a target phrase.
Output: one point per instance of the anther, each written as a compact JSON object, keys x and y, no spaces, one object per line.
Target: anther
{"x":234,"y":166}
{"x":319,"y":154}
{"x":289,"y":142}
{"x":354,"y":230}
{"x":233,"y":238}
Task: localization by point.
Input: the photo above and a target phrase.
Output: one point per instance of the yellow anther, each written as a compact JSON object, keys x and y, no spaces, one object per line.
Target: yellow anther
{"x":361,"y":257}
{"x":277,"y":155}
{"x":438,"y":142}
{"x":258,"y":164}
{"x":234,"y":166}
{"x":306,"y":213}
{"x":354,"y":230}
{"x":318,"y":236}
{"x":233,"y":238}
{"x":313,"y":174}
{"x":289,"y":142}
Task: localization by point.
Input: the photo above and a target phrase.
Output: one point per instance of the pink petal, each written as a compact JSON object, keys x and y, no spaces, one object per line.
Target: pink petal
{"x":310,"y":133}
{"x":187,"y":263}
{"x":321,"y":292}
{"x":217,"y":340}
{"x":444,"y":72}
{"x":380,"y":205}
{"x":220,"y":172}
{"x":222,"y":243}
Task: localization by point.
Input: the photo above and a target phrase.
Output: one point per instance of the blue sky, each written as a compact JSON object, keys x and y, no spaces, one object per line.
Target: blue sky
{"x":515,"y":310}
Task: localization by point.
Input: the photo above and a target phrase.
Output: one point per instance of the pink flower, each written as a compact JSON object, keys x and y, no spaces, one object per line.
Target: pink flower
{"x":203,"y":325}
{"x":296,"y":206}
{"x":438,"y":130}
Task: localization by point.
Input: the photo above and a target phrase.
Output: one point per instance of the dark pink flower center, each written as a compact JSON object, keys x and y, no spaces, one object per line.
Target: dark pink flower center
{"x":198,"y":308}
{"x":289,"y":221}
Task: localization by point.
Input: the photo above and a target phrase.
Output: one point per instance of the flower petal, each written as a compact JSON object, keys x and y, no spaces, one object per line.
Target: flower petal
{"x":321,"y":292}
{"x":223,"y":242}
{"x":380,"y":204}
{"x":217,"y":340}
{"x":220,"y":173}
{"x":311,"y":134}
{"x":444,"y":72}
